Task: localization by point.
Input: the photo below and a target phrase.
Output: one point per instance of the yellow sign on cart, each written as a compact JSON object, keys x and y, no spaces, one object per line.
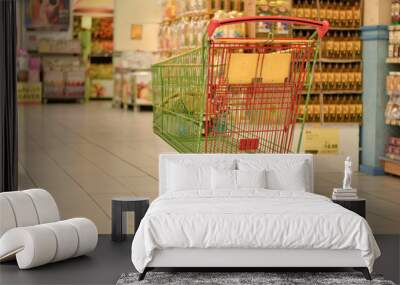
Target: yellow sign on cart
{"x":321,"y":141}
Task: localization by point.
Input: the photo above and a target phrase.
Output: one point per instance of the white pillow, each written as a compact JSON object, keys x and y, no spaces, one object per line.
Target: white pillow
{"x":291,"y":175}
{"x":251,"y":178}
{"x":223,"y":179}
{"x":183,"y":177}
{"x":293,"y":178}
{"x":194,"y":173}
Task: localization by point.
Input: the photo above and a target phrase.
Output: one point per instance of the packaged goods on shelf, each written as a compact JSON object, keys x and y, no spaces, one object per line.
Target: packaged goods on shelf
{"x":394,"y":45}
{"x":132,"y":78}
{"x":185,"y":22}
{"x":101,"y":88}
{"x":395,"y":12}
{"x":29,"y":92}
{"x":96,"y":35}
{"x":102,"y":47}
{"x":338,"y":76}
{"x":273,"y":8}
{"x":63,"y":77}
{"x":343,"y":45}
{"x":59,"y":46}
{"x":141,"y":83}
{"x":392,"y":112}
{"x":101,"y":71}
{"x":102,"y":28}
{"x":22,"y":60}
{"x":337,"y":81}
{"x":339,"y":13}
{"x":391,"y":160}
{"x":393,"y":148}
{"x":334,"y":108}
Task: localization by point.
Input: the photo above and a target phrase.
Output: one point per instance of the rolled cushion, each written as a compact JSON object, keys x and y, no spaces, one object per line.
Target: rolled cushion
{"x":41,"y":244}
{"x":67,"y":240}
{"x":23,"y":208}
{"x":33,"y":246}
{"x":7,"y":218}
{"x":87,"y":234}
{"x":46,"y":207}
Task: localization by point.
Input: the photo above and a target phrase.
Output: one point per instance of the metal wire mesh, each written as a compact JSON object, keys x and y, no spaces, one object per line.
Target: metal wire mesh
{"x":231,"y":96}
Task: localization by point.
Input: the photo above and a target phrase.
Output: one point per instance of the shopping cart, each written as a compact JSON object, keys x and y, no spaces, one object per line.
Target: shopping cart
{"x":236,"y":95}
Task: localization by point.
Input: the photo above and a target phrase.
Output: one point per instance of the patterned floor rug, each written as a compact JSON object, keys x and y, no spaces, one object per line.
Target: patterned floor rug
{"x":253,"y":278}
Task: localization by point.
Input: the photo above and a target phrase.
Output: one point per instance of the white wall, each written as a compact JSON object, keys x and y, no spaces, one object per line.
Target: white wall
{"x":128,"y":12}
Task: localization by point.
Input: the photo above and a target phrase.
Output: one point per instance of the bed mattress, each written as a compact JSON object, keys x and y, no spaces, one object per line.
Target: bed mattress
{"x":250,"y":219}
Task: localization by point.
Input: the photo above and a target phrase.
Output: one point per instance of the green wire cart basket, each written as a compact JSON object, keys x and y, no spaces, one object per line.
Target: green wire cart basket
{"x":236,"y":95}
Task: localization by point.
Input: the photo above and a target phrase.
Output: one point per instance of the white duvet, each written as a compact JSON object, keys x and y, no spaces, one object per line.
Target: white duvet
{"x":250,"y":219}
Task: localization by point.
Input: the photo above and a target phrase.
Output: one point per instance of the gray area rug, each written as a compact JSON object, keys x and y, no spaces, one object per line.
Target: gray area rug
{"x":243,"y":278}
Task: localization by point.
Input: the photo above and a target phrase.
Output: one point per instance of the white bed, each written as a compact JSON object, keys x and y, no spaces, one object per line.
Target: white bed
{"x":249,"y":227}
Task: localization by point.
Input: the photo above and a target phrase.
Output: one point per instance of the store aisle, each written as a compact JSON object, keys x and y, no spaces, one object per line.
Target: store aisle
{"x":84,"y":154}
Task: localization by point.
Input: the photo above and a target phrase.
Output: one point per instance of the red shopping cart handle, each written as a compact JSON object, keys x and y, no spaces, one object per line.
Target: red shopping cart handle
{"x":321,"y":27}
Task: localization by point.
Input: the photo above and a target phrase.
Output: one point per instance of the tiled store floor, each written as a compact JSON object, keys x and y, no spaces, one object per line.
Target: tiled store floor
{"x":84,"y":154}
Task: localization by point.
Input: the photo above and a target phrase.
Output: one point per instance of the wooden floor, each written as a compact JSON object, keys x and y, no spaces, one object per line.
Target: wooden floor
{"x":85,"y":154}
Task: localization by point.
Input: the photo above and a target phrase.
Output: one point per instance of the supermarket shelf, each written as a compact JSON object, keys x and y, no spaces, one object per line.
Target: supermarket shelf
{"x":333,"y":92}
{"x":310,"y":124}
{"x":101,"y":55}
{"x":141,"y":102}
{"x":337,"y":60}
{"x":329,"y":92}
{"x":393,"y":60}
{"x":130,"y":69}
{"x":187,"y":15}
{"x":391,"y":166}
{"x":330,"y":28}
{"x":100,"y":98}
{"x":64,"y":98}
{"x":101,"y":78}
{"x":58,"y":54}
{"x":392,"y":122}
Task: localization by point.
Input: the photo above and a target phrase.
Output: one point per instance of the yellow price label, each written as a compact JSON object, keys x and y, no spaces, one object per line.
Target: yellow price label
{"x":321,"y":141}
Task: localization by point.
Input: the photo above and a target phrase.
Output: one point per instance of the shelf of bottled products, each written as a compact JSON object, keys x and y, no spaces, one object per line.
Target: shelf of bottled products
{"x":391,"y":159}
{"x":338,"y":74}
{"x":337,"y":86}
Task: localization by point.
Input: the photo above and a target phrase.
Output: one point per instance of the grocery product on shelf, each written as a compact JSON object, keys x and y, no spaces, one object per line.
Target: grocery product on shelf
{"x":132,"y":78}
{"x":392,"y":112}
{"x":55,"y":46}
{"x":29,"y":92}
{"x":393,"y":148}
{"x":391,"y":160}
{"x":272,"y":8}
{"x":96,"y":37}
{"x":63,"y":78}
{"x":185,"y":22}
{"x":338,"y":77}
{"x":101,"y":88}
{"x":100,"y":71}
{"x":339,"y":13}
{"x":395,"y":12}
{"x":343,"y":45}
{"x":337,"y":83}
{"x":141,"y":88}
{"x":394,"y":44}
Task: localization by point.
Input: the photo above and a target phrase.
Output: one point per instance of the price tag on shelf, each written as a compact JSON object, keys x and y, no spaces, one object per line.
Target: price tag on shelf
{"x":321,"y":141}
